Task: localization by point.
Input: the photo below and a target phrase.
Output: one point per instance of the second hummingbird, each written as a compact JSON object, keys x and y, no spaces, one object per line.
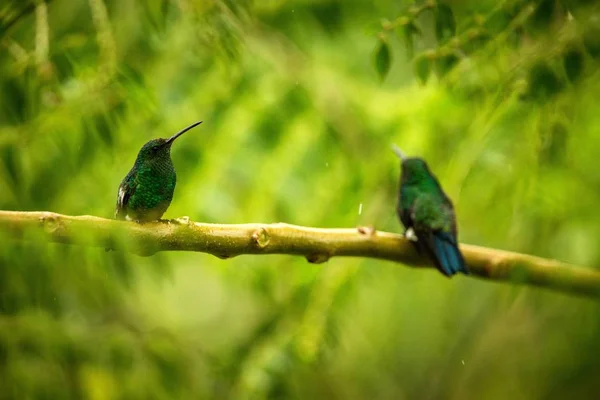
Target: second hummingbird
{"x":146,"y":192}
{"x":428,"y":215}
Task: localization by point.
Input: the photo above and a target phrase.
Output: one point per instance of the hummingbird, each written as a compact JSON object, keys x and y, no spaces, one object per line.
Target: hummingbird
{"x":428,"y":215}
{"x":146,"y":192}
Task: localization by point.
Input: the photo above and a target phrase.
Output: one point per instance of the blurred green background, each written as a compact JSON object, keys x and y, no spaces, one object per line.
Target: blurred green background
{"x":298,"y":126}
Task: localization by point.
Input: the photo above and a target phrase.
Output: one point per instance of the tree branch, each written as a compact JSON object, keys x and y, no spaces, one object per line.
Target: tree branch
{"x":316,"y":244}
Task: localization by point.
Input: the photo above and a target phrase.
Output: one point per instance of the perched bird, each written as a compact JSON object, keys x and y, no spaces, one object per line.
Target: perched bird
{"x":428,"y":215}
{"x":147,"y":190}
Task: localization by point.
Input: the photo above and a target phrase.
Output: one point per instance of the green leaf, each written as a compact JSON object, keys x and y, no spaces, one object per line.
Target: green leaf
{"x":591,"y":39}
{"x":383,"y":59}
{"x":445,"y":63}
{"x":422,"y":66}
{"x":543,"y":82}
{"x":409,"y":30}
{"x":542,"y":17}
{"x":573,"y":63}
{"x":445,"y":24}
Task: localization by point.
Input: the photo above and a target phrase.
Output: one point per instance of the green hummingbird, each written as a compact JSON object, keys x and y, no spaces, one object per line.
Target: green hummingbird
{"x":146,"y":192}
{"x":428,"y":215}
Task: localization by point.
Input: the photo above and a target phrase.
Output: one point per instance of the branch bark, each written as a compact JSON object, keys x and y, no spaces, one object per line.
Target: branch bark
{"x":317,"y":245}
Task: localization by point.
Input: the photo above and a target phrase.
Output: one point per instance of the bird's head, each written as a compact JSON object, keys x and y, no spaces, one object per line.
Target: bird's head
{"x":413,"y":168}
{"x":160,"y":148}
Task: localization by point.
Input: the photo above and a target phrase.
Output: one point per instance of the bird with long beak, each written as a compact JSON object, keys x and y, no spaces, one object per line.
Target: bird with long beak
{"x":428,"y":215}
{"x":146,"y":192}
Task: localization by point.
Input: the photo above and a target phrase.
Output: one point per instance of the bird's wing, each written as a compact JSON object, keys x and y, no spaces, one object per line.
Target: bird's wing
{"x":126,"y":190}
{"x":427,"y":213}
{"x":435,"y":228}
{"x":450,"y":216}
{"x":403,"y":209}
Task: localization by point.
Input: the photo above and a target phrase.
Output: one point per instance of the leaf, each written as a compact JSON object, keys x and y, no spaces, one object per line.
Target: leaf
{"x":445,"y":24}
{"x":591,"y":39}
{"x":543,"y":81}
{"x":408,"y":31}
{"x":542,"y":17}
{"x":383,"y":59}
{"x":422,"y":66}
{"x":408,"y":42}
{"x":573,"y":63}
{"x":445,"y":63}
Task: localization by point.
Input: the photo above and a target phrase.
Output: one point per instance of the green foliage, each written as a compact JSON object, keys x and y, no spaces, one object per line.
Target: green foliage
{"x":510,"y":32}
{"x":297,"y":129}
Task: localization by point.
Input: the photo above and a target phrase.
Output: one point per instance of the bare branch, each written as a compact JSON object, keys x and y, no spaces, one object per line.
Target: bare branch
{"x":316,"y":244}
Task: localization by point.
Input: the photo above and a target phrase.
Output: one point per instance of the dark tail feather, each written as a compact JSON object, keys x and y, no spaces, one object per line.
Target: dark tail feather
{"x":448,"y":257}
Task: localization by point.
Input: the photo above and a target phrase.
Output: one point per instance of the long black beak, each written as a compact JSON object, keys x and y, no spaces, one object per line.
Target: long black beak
{"x":181,"y":132}
{"x":398,"y":152}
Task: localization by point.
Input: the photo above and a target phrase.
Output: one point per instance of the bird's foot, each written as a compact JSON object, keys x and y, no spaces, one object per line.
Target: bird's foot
{"x":137,"y":221}
{"x":410,"y":235}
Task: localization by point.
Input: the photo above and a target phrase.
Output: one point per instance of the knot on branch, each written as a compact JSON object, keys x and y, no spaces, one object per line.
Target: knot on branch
{"x":318,"y":258}
{"x":51,"y":223}
{"x":366,"y":230}
{"x":261,"y":238}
